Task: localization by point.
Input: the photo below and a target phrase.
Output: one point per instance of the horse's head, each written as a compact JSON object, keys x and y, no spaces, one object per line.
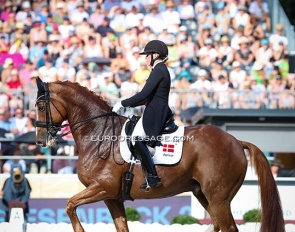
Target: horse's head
{"x":50,"y":113}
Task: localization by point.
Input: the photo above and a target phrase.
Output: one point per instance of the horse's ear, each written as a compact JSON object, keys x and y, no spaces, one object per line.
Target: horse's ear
{"x":41,"y":89}
{"x":40,"y":84}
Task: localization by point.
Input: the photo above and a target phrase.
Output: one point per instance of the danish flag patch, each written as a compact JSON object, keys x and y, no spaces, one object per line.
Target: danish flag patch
{"x":168,"y":148}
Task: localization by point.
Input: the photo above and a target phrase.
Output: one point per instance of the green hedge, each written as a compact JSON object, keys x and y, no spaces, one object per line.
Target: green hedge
{"x":253,"y":215}
{"x":184,"y":220}
{"x":132,"y":214}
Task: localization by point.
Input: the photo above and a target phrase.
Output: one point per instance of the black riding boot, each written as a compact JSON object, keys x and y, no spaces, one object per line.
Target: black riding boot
{"x":143,"y":152}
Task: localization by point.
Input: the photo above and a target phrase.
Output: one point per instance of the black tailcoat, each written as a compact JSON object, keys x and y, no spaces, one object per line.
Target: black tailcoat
{"x":154,"y":95}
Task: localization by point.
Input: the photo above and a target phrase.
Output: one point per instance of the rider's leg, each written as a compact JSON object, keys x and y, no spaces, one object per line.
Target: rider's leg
{"x":143,"y":152}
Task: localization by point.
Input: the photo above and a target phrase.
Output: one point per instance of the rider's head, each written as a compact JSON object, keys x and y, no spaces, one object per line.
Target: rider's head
{"x":158,"y":48}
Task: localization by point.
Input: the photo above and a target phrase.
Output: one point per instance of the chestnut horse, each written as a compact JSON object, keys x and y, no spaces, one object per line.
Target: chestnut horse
{"x":212,"y":167}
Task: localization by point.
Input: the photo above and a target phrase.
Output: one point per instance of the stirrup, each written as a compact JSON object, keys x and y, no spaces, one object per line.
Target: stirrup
{"x":152,"y":181}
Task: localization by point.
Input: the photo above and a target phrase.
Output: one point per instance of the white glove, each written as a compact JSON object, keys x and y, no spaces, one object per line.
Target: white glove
{"x":117,"y":107}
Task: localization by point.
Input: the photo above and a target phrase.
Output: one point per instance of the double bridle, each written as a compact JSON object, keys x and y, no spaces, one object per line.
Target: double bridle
{"x":53,"y":128}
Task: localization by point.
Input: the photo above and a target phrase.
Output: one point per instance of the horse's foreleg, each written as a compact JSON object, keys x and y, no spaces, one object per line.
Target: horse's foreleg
{"x":92,"y":193}
{"x":117,"y":211}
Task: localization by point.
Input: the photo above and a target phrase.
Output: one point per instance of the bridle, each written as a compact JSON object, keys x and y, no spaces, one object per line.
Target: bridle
{"x":53,"y":128}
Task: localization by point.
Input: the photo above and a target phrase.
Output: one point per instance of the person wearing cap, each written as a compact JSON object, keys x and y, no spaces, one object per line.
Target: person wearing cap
{"x":278,"y":41}
{"x":242,"y":17}
{"x":206,"y":17}
{"x":48,"y":73}
{"x":97,"y":17}
{"x":217,"y":69}
{"x":225,"y":51}
{"x":19,"y":34}
{"x":59,"y":15}
{"x":6,"y":12}
{"x":237,"y":75}
{"x":37,"y":33}
{"x":154,"y":95}
{"x":104,"y":27}
{"x":244,"y":55}
{"x":171,"y":17}
{"x":199,"y":6}
{"x":264,"y":52}
{"x":7,"y":68}
{"x":79,"y":14}
{"x":25,"y":10}
{"x":154,"y":20}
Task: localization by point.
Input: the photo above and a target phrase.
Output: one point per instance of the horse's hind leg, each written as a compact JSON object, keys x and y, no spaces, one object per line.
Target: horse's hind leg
{"x":117,"y":211}
{"x":204,"y":202}
{"x":222,"y":217}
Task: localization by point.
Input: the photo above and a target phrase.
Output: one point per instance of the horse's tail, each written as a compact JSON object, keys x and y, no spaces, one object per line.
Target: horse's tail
{"x":271,"y":210}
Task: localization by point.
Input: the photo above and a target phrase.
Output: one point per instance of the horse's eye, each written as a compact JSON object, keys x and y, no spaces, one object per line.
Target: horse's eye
{"x":41,"y":108}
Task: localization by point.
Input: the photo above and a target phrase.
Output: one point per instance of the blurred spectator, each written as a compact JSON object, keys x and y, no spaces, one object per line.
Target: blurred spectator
{"x":171,"y":17}
{"x":203,"y":88}
{"x":8,"y":8}
{"x":83,"y":29}
{"x":222,"y":19}
{"x":109,"y":4}
{"x":3,"y":98}
{"x":199,"y":6}
{"x":6,"y":72}
{"x":186,"y":52}
{"x":248,"y":99}
{"x":25,"y":72}
{"x":20,"y":120}
{"x":264,"y":53}
{"x":10,"y":162}
{"x":254,"y":32}
{"x":182,"y":84}
{"x":37,"y":51}
{"x":59,"y":15}
{"x":217,"y":70}
{"x":142,"y":73}
{"x":109,"y":88}
{"x":66,"y":72}
{"x":146,"y":36}
{"x":207,"y":54}
{"x":47,"y":72}
{"x":206,"y":17}
{"x":286,"y":99}
{"x":23,"y":13}
{"x":205,"y":34}
{"x":128,"y":87}
{"x":260,"y":11}
{"x":79,"y":14}
{"x":131,"y":19}
{"x":275,"y":86}
{"x":154,"y":20}
{"x":9,"y":26}
{"x":244,"y":55}
{"x":221,"y":96}
{"x":54,"y":47}
{"x":63,"y":166}
{"x":278,"y":42}
{"x":242,"y":18}
{"x":278,"y":169}
{"x":225,"y":52}
{"x":97,"y":17}
{"x":19,"y":34}
{"x":66,"y":28}
{"x":235,"y":41}
{"x":92,"y":49}
{"x":14,"y":83}
{"x":4,"y":45}
{"x":104,"y":27}
{"x":237,"y":76}
{"x":37,"y":33}
{"x":186,"y":10}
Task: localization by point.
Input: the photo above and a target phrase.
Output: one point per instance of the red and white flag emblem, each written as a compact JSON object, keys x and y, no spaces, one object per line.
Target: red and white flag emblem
{"x":168,"y":148}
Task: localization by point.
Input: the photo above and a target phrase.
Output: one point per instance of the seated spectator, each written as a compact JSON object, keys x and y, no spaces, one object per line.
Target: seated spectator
{"x":59,"y":15}
{"x":20,"y":120}
{"x":278,"y":170}
{"x":145,"y":36}
{"x":4,"y":45}
{"x":225,"y":52}
{"x":286,"y":99}
{"x":79,"y":14}
{"x":19,"y":40}
{"x":6,"y":72}
{"x":237,"y":76}
{"x":264,"y":53}
{"x":117,"y":19}
{"x":37,"y":33}
{"x":276,"y":86}
{"x":97,"y":17}
{"x":38,"y":163}
{"x":186,"y":10}
{"x":83,"y":29}
{"x":92,"y":49}
{"x":182,"y":85}
{"x":131,"y":19}
{"x":186,"y":52}
{"x":221,"y":96}
{"x":278,"y":42}
{"x":254,"y":32}
{"x":244,"y":55}
{"x":242,"y":18}
{"x":235,"y":41}
{"x":26,"y":9}
{"x":283,"y":65}
{"x":260,"y":11}
{"x":15,"y":102}
{"x":63,"y":166}
{"x":222,"y":20}
{"x":8,"y":164}
{"x":206,"y":17}
{"x":25,"y":73}
{"x":8,"y":8}
{"x":154,"y":20}
{"x":134,"y":59}
{"x":217,"y":70}
{"x":207,"y":54}
{"x":141,"y":74}
{"x":109,"y":4}
{"x":104,"y":27}
{"x":248,"y":99}
{"x":54,"y":47}
{"x":205,"y":33}
{"x":66,"y":72}
{"x":48,"y":72}
{"x":108,"y":87}
{"x":128,"y":87}
{"x":14,"y":83}
{"x":171,"y":17}
{"x":37,"y":51}
{"x":199,"y":6}
{"x":203,"y":87}
{"x":9,"y":26}
{"x":3,"y":98}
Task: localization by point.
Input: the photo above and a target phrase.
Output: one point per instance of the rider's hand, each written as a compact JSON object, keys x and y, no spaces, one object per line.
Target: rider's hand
{"x":117,"y":107}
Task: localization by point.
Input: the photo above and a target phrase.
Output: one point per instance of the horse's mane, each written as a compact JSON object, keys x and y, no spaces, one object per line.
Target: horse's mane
{"x":105,"y":104}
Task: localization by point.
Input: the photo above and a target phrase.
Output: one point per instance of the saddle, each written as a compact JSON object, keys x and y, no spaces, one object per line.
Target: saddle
{"x":169,"y":127}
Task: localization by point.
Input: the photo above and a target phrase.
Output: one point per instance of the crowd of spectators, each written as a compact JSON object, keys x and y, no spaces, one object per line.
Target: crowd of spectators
{"x":222,"y":53}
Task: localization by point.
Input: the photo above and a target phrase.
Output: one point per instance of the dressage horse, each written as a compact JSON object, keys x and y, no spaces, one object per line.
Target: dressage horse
{"x":212,"y":167}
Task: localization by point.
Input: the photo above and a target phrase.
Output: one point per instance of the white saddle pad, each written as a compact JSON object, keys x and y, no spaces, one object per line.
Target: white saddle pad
{"x":169,"y":153}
